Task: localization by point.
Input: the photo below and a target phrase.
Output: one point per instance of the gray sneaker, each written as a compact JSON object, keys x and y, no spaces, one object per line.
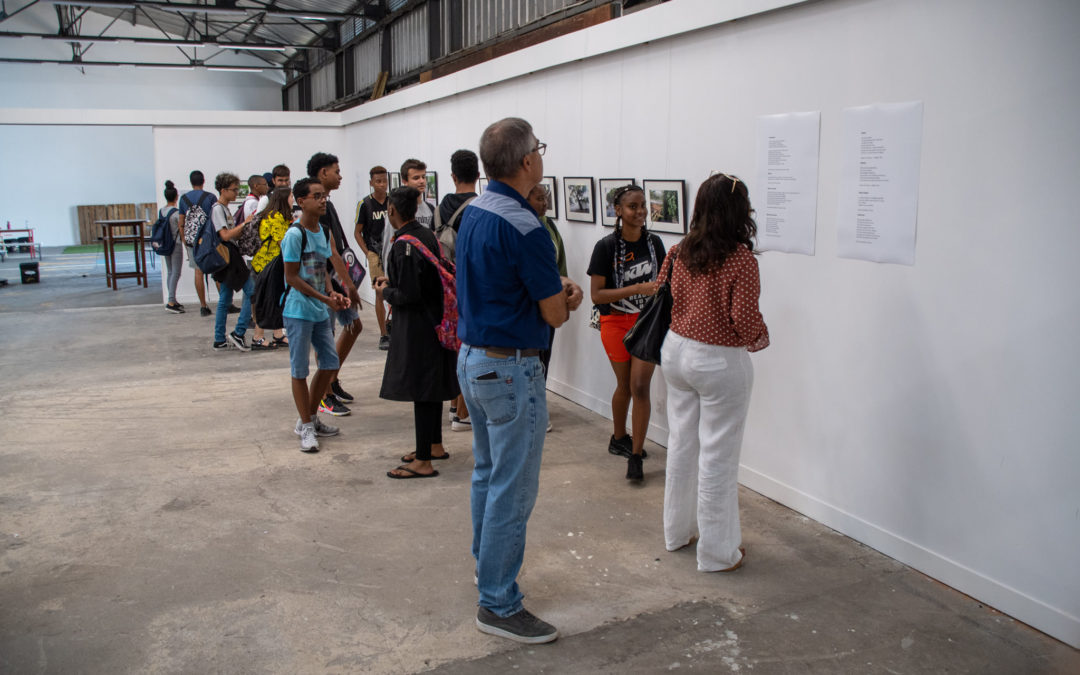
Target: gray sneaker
{"x":320,"y":428}
{"x":520,"y":627}
{"x":308,"y":442}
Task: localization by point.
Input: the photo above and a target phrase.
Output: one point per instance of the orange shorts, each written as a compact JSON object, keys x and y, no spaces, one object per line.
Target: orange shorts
{"x":613,"y":327}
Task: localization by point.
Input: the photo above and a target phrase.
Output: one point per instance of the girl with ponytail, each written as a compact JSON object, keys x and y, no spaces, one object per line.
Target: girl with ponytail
{"x":623,"y":272}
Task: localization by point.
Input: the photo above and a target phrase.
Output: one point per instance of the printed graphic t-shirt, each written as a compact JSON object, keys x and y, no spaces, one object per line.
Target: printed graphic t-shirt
{"x":637,"y":267}
{"x":312,"y":270}
{"x":371,"y":214}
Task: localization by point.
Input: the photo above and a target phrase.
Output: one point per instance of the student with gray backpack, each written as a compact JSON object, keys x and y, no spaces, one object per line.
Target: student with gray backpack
{"x":195,"y":207}
{"x":174,"y":259}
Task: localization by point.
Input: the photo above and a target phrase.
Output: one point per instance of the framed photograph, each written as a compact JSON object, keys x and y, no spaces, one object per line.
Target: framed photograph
{"x":481,"y":185}
{"x":245,"y":190}
{"x":607,"y":188}
{"x":553,"y":201}
{"x":395,"y":179}
{"x":432,"y":193}
{"x":666,"y":200}
{"x":580,"y":201}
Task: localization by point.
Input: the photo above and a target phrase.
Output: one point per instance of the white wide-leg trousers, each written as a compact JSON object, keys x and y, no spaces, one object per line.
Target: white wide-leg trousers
{"x":708,"y":390}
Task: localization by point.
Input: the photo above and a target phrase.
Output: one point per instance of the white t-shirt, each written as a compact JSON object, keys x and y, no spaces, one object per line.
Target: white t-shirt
{"x":221,"y":217}
{"x":263,"y":202}
{"x":251,"y":205}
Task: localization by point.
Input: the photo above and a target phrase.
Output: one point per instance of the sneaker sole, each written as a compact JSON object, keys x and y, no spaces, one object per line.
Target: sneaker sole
{"x":310,"y":450}
{"x":335,"y":433}
{"x":237,"y":343}
{"x":335,"y":414}
{"x":538,"y":640}
{"x":458,"y":426}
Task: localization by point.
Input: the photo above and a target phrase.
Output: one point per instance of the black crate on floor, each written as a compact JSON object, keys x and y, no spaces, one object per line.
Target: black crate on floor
{"x":29,"y":272}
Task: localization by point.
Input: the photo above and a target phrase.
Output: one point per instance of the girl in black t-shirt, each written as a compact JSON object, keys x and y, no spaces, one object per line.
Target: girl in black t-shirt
{"x":623,"y":273}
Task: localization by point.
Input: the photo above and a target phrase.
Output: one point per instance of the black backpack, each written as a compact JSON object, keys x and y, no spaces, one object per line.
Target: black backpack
{"x":271,"y":290}
{"x":162,"y":240}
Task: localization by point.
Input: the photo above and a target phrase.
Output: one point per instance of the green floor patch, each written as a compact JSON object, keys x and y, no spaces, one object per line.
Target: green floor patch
{"x":95,"y":248}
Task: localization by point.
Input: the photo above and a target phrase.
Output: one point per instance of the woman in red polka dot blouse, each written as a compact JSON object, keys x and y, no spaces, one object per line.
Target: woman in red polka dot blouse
{"x":715,"y":321}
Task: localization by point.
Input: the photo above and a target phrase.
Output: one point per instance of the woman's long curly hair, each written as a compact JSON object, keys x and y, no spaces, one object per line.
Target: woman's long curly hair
{"x":722,"y":220}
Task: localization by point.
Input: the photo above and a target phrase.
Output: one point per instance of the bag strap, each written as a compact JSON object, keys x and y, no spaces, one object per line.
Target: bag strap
{"x":454,"y":217}
{"x":303,"y":245}
{"x":674,"y":254}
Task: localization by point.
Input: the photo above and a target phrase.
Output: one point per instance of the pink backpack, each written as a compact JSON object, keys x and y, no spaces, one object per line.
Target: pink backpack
{"x":446,"y":330}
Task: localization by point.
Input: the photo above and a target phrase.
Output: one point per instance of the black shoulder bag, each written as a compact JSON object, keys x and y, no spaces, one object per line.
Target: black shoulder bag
{"x":646,"y":337}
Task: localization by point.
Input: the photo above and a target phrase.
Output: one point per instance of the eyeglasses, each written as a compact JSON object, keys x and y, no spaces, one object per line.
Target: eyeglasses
{"x":540,"y":148}
{"x":731,"y":178}
{"x":320,"y":197}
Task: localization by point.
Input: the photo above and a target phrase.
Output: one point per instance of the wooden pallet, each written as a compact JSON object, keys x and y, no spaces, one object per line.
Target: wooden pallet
{"x":90,"y":232}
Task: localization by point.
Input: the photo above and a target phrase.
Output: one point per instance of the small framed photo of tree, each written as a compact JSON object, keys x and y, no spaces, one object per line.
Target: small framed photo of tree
{"x":580,"y":201}
{"x":666,"y":202}
{"x":608,"y":186}
{"x":432,"y":193}
{"x":552,"y":197}
{"x":395,"y":180}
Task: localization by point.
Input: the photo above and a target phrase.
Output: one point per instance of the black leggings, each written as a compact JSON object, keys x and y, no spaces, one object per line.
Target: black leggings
{"x":427,"y":418}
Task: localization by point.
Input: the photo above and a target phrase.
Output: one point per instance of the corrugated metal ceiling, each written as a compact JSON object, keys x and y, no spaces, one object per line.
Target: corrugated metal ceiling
{"x":256,"y":27}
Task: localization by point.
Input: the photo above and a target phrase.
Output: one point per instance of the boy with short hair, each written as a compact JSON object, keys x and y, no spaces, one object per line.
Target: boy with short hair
{"x":370,"y":231}
{"x":414,"y":174}
{"x":307,"y":311}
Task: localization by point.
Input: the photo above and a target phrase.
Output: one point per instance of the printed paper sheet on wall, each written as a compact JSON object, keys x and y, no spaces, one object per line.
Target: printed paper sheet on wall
{"x":785,"y":192}
{"x":879,"y":182}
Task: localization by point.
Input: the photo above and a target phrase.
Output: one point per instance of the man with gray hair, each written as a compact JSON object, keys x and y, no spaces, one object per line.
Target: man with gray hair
{"x":509,"y":293}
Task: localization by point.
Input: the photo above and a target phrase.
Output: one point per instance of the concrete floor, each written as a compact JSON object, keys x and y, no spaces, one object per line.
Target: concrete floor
{"x":156,"y":516}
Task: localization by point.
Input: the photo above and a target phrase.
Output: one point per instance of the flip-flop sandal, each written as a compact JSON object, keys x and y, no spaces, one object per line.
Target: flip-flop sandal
{"x":282,"y":341}
{"x":415,"y":474}
{"x":408,"y":459}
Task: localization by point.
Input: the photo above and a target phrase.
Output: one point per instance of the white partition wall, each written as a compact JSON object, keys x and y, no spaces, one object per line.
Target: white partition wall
{"x":244,"y":150}
{"x":928,"y":411}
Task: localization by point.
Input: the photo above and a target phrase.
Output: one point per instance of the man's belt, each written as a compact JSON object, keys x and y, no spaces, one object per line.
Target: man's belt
{"x":505,"y":352}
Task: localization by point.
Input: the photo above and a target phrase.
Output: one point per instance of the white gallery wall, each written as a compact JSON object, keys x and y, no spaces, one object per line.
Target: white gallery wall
{"x":47,"y":171}
{"x":927,"y":411}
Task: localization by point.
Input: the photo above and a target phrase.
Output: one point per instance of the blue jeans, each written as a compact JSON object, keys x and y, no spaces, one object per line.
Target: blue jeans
{"x":508,"y":406}
{"x":303,"y":335}
{"x":225,"y":296}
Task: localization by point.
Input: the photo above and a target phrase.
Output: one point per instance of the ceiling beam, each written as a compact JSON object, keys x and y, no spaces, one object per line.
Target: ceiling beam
{"x":187,"y":8}
{"x":172,"y":66}
{"x":166,"y":42}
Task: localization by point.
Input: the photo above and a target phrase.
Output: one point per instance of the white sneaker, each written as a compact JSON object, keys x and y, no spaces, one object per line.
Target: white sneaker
{"x":321,"y":429}
{"x":308,"y":442}
{"x":458,"y":424}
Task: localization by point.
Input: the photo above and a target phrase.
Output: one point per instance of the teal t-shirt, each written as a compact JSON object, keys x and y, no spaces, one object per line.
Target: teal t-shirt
{"x":312,"y":270}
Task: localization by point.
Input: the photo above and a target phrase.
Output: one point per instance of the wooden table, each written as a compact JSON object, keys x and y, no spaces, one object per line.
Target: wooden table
{"x":111,"y":236}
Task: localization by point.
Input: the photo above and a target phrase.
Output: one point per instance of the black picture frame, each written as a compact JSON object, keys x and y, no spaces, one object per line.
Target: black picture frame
{"x":551,"y":183}
{"x":607,"y":186}
{"x":663,"y":216}
{"x":431,"y":193}
{"x":579,"y":193}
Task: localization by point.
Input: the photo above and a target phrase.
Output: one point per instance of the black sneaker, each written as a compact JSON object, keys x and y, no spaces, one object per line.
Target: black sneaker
{"x":624,"y":447}
{"x":175,"y":309}
{"x":180,"y":305}
{"x":340,"y":393}
{"x":233,"y":309}
{"x":331,"y":406}
{"x":220,"y":346}
{"x":633,"y":469}
{"x":238,"y":341}
{"x":384,"y":342}
{"x":520,"y":627}
{"x":205,"y":311}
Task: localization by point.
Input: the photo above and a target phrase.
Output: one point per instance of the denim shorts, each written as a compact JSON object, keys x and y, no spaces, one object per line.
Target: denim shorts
{"x":303,"y":335}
